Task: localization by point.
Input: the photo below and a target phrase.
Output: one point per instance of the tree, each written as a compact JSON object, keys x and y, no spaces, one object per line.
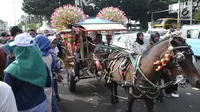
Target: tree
{"x":29,"y":21}
{"x":135,"y":9}
{"x":139,"y":10}
{"x":64,"y":2}
{"x":197,"y":15}
{"x":43,"y":8}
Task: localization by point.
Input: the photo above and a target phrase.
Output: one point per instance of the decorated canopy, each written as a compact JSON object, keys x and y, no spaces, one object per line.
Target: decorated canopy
{"x":97,"y":24}
{"x":66,"y":15}
{"x":95,"y":21}
{"x":113,"y":14}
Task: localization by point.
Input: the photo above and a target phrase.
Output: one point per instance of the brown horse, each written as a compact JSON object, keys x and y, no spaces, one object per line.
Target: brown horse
{"x":140,"y":77}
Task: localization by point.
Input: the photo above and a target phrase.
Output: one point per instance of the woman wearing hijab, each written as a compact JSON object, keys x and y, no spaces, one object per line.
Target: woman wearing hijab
{"x":54,"y":50}
{"x":44,"y":44}
{"x":28,"y":75}
{"x":153,"y":39}
{"x":54,"y":43}
{"x":139,"y":46}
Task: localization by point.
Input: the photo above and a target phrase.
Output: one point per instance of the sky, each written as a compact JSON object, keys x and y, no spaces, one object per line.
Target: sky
{"x":8,"y":10}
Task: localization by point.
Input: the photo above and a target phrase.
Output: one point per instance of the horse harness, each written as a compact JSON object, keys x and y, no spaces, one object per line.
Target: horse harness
{"x":149,"y":89}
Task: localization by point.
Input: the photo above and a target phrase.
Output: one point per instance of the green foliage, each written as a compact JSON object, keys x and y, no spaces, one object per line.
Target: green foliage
{"x":135,"y":9}
{"x":32,"y":26}
{"x":30,"y":21}
{"x":64,"y":2}
{"x":40,"y":7}
{"x":197,"y":15}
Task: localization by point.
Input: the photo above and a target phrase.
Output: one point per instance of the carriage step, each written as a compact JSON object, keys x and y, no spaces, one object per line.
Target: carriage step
{"x":85,"y":77}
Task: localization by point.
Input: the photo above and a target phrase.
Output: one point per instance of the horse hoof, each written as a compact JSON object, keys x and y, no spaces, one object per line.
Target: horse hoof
{"x":159,"y":100}
{"x":112,"y":102}
{"x":127,"y":110}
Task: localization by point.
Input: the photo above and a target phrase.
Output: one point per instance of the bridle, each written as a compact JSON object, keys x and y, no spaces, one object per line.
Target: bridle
{"x":179,"y":56}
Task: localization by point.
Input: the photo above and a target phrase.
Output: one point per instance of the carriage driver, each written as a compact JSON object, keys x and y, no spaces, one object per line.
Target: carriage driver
{"x":99,"y":44}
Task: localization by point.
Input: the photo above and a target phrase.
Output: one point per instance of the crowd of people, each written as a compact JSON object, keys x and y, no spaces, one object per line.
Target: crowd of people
{"x":30,"y":69}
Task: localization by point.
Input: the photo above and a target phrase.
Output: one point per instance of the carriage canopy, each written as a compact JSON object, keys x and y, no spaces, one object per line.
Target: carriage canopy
{"x":97,"y":24}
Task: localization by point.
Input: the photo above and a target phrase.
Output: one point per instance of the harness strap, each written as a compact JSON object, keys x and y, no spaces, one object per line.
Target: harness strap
{"x":136,"y":63}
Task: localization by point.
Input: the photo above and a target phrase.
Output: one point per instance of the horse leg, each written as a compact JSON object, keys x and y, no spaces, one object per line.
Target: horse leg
{"x":111,"y":87}
{"x":130,"y":103}
{"x":150,"y":104}
{"x":116,"y":93}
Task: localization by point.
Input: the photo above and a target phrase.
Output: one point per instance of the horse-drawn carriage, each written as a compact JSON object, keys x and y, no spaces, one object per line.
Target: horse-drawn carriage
{"x":141,"y":74}
{"x":89,"y":28}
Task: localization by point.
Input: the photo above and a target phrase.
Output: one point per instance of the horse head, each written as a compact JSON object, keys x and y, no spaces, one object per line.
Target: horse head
{"x":181,"y":64}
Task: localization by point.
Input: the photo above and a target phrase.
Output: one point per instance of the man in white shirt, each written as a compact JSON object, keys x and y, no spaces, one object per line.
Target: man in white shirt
{"x":7,"y":99}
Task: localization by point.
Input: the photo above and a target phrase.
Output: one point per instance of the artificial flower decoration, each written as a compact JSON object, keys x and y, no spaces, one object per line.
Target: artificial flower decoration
{"x":113,"y":14}
{"x":67,"y":15}
{"x":163,"y":62}
{"x":68,"y":37}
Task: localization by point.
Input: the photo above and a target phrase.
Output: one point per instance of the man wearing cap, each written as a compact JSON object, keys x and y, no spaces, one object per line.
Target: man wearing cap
{"x":28,"y":75}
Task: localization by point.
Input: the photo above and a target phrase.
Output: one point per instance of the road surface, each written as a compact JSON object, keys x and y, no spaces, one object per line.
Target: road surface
{"x":91,"y":97}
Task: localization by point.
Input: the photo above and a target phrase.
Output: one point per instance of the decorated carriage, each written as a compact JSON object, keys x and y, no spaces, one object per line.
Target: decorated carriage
{"x":108,"y":21}
{"x":89,"y":28}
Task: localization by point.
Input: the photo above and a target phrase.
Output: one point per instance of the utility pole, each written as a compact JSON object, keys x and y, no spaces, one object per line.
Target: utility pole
{"x":178,"y":20}
{"x":191,"y":11}
{"x":14,"y":11}
{"x":79,"y":3}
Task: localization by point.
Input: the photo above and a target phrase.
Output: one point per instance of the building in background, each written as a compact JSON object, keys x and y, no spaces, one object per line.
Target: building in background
{"x":3,"y":26}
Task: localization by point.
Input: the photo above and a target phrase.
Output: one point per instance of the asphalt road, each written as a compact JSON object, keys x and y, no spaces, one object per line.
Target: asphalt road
{"x":91,"y":97}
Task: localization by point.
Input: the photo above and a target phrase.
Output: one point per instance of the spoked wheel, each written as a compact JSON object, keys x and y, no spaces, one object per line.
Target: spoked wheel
{"x":71,"y":81}
{"x":98,"y":74}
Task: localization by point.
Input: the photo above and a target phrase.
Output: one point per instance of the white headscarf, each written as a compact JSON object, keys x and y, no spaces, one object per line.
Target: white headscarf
{"x":52,"y":38}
